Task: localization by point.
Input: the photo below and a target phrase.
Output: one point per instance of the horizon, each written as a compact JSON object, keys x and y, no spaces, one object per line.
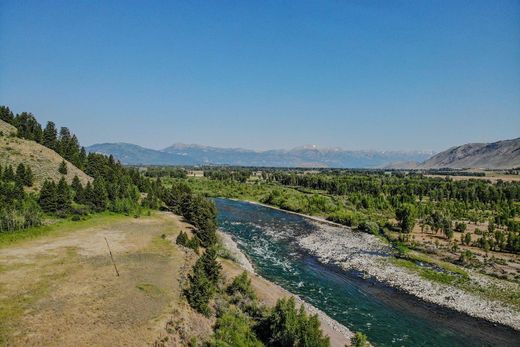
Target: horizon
{"x":372,"y":75}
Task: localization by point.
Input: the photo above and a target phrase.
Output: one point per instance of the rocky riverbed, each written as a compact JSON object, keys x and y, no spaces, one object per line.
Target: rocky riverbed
{"x":240,"y":258}
{"x":366,"y":253}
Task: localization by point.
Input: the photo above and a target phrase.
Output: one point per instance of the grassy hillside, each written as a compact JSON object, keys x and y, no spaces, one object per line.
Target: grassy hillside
{"x":43,"y":161}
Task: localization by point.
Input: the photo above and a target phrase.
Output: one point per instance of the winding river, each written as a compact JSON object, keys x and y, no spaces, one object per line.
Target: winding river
{"x":387,"y":316}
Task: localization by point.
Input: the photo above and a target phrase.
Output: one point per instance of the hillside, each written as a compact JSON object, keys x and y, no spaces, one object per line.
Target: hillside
{"x":497,"y":155}
{"x":305,"y":156}
{"x":43,"y":161}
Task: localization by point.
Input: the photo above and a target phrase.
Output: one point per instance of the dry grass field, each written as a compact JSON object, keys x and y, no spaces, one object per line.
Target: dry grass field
{"x":62,"y":290}
{"x":44,"y":162}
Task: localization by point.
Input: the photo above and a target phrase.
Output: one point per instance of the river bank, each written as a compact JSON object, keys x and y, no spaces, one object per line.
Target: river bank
{"x":337,"y":244}
{"x":269,"y":292}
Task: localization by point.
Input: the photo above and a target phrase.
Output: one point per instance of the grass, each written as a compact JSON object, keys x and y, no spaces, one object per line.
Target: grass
{"x":61,"y":226}
{"x":13,"y":307}
{"x":461,"y":280}
{"x":149,"y":289}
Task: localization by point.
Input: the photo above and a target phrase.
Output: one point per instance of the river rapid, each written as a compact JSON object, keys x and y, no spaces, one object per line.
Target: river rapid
{"x":389,"y":317}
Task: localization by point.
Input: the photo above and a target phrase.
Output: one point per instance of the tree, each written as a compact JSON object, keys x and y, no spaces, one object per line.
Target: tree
{"x":405,"y":215}
{"x":211,"y":265}
{"x":286,"y":326}
{"x":20,"y":174}
{"x":241,"y":284}
{"x":8,"y":174}
{"x":460,"y":227}
{"x":63,"y":198}
{"x":29,"y":177}
{"x":63,"y":168}
{"x":467,"y":239}
{"x":233,"y":328}
{"x":6,"y":115}
{"x":77,"y":188}
{"x":359,"y":340}
{"x":48,"y":197}
{"x":200,"y":289}
{"x":50,"y":136}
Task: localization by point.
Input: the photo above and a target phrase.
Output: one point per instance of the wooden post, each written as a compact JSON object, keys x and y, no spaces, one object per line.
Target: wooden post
{"x":111,"y":257}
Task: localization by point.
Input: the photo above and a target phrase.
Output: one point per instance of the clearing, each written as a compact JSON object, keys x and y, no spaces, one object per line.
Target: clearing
{"x":62,"y":290}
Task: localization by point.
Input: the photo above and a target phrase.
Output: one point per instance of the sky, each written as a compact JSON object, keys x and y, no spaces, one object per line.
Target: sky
{"x":360,"y":74}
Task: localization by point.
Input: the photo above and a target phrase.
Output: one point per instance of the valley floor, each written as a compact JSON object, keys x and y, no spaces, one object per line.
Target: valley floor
{"x":61,"y":289}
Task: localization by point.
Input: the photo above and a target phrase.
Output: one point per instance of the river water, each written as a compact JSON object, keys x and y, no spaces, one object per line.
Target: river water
{"x":387,"y":316}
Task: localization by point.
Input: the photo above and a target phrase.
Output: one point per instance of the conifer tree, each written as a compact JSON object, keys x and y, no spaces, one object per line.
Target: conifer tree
{"x":200,"y":289}
{"x":20,"y":174}
{"x":63,"y":168}
{"x":8,"y":174}
{"x":63,"y":199}
{"x":77,"y":188}
{"x":50,"y":136}
{"x":29,"y":177}
{"x":211,"y":265}
{"x":48,"y":197}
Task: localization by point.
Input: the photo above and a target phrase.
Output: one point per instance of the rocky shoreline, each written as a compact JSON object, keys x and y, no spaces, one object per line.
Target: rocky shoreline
{"x":242,"y":260}
{"x":350,"y":250}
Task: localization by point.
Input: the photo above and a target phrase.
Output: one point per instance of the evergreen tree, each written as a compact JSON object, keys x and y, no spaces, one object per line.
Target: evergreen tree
{"x":6,"y":115}
{"x":200,"y":289}
{"x":63,"y":198}
{"x":211,"y":265}
{"x":48,"y":197}
{"x":63,"y":168}
{"x":99,"y":195}
{"x":20,"y":174}
{"x":8,"y":174}
{"x":77,"y":188}
{"x":50,"y":136}
{"x":29,"y":177}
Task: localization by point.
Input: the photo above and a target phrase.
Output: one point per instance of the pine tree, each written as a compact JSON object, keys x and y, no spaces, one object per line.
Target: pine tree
{"x":8,"y":174}
{"x":99,"y":195}
{"x":6,"y":115}
{"x":20,"y":174}
{"x":50,"y":136}
{"x":63,"y":199}
{"x":48,"y":197}
{"x":77,"y":188}
{"x":63,"y":168}
{"x":200,"y":289}
{"x":29,"y":177}
{"x":211,"y":265}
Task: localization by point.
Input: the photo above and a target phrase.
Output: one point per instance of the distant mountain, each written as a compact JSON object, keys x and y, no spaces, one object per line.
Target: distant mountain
{"x":131,"y":154}
{"x":497,"y":155}
{"x":305,"y":156}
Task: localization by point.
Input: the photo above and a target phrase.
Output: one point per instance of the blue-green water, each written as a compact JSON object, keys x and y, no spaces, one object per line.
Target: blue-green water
{"x":388,"y":317}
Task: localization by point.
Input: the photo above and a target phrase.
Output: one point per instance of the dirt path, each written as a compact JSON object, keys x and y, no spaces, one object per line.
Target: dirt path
{"x":62,"y":290}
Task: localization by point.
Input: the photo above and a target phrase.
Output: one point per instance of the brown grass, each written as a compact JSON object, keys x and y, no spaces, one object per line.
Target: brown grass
{"x":61,"y":290}
{"x":43,"y":161}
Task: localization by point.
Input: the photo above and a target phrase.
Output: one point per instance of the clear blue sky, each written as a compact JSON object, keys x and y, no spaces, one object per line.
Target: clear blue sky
{"x":267,"y":74}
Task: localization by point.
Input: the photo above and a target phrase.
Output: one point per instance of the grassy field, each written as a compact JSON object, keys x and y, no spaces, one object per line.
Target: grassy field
{"x":58,"y":286}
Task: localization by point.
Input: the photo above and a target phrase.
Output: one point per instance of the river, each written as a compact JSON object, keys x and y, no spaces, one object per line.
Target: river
{"x":387,"y":316}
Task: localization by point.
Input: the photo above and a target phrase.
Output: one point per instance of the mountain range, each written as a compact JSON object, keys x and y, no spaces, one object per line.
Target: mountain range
{"x":497,"y":155}
{"x":304,"y":156}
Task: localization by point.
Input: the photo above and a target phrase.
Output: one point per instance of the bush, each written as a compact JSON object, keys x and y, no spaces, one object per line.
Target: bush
{"x":359,"y":340}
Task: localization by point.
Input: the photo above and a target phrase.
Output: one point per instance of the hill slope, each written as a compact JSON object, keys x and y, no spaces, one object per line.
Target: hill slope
{"x":497,"y":155}
{"x":306,"y":156}
{"x":44,"y":162}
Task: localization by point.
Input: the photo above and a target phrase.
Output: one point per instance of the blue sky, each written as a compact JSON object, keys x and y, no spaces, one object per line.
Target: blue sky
{"x":267,"y":74}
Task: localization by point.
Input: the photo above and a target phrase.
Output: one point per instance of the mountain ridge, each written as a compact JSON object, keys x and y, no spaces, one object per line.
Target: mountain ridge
{"x":302,"y":156}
